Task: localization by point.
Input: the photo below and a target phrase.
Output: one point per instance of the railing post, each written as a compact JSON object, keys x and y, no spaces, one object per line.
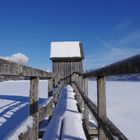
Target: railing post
{"x":50,"y":87}
{"x":73,"y":79}
{"x":101,"y":101}
{"x":56,"y":80}
{"x":86,"y":112}
{"x":53,"y":82}
{"x":76,"y":80}
{"x":81,"y":102}
{"x":34,"y":82}
{"x":81,"y":81}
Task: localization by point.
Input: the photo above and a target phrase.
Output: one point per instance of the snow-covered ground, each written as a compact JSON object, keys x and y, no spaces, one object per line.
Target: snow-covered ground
{"x":14,"y":98}
{"x":123,"y":105}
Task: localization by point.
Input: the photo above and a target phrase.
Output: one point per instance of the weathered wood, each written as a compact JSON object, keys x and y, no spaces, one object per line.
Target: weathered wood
{"x":101,"y":101}
{"x":126,"y":66}
{"x":46,"y":110}
{"x":72,"y":79}
{"x":86,"y":112}
{"x":29,"y":133}
{"x":6,"y":78}
{"x":13,"y":69}
{"x":34,"y":83}
{"x":93,"y":133}
{"x":78,"y":96}
{"x":57,"y":92}
{"x":67,"y":59}
{"x":66,"y":68}
{"x":57,"y":79}
{"x":111,"y":131}
{"x":80,"y":100}
{"x":50,"y":87}
{"x":53,"y":82}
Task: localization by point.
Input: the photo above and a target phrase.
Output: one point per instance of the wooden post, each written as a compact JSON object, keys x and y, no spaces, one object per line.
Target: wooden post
{"x":73,"y":79}
{"x":50,"y":87}
{"x":86,"y":112}
{"x":76,"y":90}
{"x":34,"y":81}
{"x":101,"y":101}
{"x":80,"y":80}
{"x":80,"y":98}
{"x":53,"y":82}
{"x":56,"y":80}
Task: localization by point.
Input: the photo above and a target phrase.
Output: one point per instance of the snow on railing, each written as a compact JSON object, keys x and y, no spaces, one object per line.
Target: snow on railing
{"x":22,"y":129}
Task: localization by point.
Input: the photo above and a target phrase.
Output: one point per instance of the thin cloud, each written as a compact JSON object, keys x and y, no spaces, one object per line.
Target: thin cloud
{"x":132,"y":37}
{"x":123,"y":24}
{"x":112,"y":53}
{"x":107,"y":44}
{"x":108,"y":57}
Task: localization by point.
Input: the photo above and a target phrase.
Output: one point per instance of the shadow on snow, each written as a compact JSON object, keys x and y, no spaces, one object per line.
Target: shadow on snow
{"x":13,"y":113}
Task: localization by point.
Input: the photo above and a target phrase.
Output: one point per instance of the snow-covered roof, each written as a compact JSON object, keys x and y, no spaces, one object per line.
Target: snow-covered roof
{"x":66,"y":50}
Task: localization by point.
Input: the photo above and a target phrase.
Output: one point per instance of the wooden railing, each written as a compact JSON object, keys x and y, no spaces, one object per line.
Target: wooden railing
{"x":13,"y":70}
{"x":110,"y":130}
{"x":127,"y":66}
{"x":8,"y":68}
{"x":79,"y":81}
{"x":106,"y":129}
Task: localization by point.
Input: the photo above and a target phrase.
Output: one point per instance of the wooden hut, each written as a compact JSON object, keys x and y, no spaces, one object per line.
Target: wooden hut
{"x":66,"y":57}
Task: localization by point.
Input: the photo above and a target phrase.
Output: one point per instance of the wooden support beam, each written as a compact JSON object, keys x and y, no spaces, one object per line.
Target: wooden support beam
{"x":81,"y":102}
{"x":53,"y":82}
{"x":34,"y":83}
{"x":101,"y":101}
{"x":127,"y":66}
{"x":47,"y":110}
{"x":57,"y":92}
{"x":9,"y":68}
{"x":73,"y":79}
{"x":80,"y":81}
{"x":86,"y":111}
{"x":50,"y":87}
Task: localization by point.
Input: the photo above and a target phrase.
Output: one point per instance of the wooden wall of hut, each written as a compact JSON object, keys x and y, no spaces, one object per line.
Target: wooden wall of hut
{"x":67,"y":67}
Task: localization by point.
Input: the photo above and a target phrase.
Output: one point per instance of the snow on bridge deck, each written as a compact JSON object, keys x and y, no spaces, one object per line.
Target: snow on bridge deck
{"x":66,"y":123}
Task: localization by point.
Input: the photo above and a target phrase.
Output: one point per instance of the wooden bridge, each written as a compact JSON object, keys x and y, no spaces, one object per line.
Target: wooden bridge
{"x":48,"y":123}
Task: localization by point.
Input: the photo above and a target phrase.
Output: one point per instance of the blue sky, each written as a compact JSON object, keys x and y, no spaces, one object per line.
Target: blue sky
{"x":109,"y":29}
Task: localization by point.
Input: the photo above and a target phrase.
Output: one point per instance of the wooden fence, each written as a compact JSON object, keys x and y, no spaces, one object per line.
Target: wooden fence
{"x":106,"y":129}
{"x":13,"y":70}
{"x":79,"y":81}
